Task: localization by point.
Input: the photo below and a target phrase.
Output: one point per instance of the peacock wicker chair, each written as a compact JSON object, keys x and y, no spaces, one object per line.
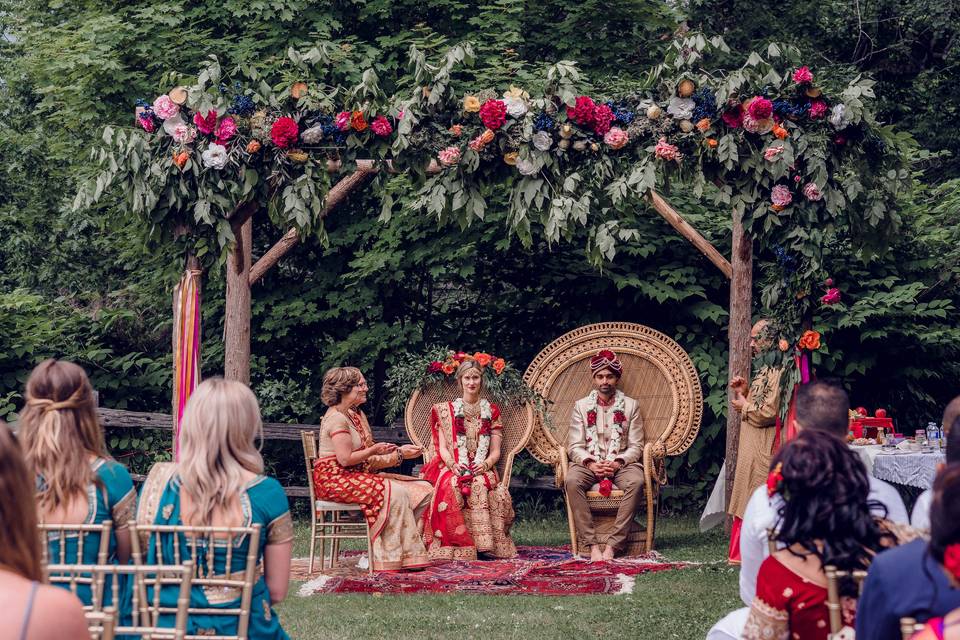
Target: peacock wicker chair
{"x":657,"y":372}
{"x":517,"y":420}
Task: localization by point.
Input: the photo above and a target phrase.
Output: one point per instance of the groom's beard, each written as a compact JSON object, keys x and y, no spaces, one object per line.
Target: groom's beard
{"x":607,"y":389}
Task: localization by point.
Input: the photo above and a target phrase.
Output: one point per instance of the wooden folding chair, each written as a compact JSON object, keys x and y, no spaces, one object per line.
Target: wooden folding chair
{"x":149,"y":581}
{"x":339,"y":526}
{"x":199,"y":546}
{"x":102,"y":624}
{"x":86,"y":536}
{"x":834,"y":606}
{"x":909,"y":626}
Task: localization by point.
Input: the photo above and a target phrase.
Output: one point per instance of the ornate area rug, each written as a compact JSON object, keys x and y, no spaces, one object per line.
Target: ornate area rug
{"x":549,"y":571}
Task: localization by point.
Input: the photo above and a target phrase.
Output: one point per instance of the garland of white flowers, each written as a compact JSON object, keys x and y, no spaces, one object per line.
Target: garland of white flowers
{"x":616,"y":433}
{"x":483,"y":439}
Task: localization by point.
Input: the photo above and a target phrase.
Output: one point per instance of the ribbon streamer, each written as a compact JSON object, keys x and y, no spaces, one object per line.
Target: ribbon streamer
{"x":186,"y":347}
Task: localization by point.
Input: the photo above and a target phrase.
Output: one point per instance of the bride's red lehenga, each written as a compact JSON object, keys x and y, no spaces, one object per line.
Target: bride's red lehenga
{"x":458,"y":526}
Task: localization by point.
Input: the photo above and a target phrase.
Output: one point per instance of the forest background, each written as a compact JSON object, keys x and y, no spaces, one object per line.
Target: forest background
{"x":84,"y":285}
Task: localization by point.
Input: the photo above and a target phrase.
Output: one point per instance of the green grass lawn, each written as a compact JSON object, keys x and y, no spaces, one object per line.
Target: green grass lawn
{"x":669,"y":604}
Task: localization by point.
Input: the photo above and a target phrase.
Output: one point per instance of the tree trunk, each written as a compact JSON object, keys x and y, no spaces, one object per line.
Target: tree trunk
{"x":741,"y":299}
{"x":237,"y":320}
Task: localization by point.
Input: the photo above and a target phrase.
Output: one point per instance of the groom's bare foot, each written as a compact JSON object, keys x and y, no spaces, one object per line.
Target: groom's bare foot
{"x":595,"y":554}
{"x":608,"y":552}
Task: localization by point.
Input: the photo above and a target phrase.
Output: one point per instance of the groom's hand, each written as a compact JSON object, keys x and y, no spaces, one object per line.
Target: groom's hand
{"x":599,"y":469}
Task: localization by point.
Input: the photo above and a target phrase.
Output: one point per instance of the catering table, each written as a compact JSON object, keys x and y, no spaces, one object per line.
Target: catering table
{"x":911,"y":468}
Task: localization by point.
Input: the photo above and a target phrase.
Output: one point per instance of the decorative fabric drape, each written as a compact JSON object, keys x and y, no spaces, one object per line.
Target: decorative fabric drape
{"x":186,"y":347}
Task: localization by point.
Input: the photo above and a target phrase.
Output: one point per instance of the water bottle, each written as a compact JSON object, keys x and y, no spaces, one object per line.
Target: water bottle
{"x":933,"y":435}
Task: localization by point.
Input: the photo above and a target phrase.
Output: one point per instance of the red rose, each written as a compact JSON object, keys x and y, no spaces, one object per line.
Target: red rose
{"x":459,"y":425}
{"x":774,"y":480}
{"x":951,"y":560}
{"x":760,"y":108}
{"x":583,"y":111}
{"x":493,"y":114}
{"x":464,"y":482}
{"x":591,"y":418}
{"x":733,"y":118}
{"x":486,"y":426}
{"x":435,"y":367}
{"x":606,"y":487}
{"x":284,"y":132}
{"x":602,"y":117}
{"x":619,"y":416}
{"x":205,"y":125}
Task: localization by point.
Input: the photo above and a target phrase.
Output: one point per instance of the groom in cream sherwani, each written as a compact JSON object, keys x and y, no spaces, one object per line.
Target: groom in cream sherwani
{"x":605,"y":446}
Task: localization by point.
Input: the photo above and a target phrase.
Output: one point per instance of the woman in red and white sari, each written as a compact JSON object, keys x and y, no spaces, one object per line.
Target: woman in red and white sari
{"x":348,"y":469}
{"x":470,"y":512}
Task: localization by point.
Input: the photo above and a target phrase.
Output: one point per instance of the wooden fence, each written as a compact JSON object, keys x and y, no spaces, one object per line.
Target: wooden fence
{"x":395,"y":433}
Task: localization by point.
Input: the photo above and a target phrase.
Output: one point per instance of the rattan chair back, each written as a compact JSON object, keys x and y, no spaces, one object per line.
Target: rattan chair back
{"x":517,"y":420}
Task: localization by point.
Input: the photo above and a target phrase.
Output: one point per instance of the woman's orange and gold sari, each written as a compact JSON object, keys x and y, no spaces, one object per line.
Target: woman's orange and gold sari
{"x":391,"y":503}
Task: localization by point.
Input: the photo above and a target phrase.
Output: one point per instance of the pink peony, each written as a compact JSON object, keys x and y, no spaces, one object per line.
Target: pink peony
{"x":812,"y":192}
{"x":752,"y":125}
{"x":780,"y":196}
{"x":184,"y":133}
{"x":450,"y":156}
{"x":616,"y":138}
{"x":493,"y":113}
{"x":760,"y":108}
{"x":381,"y":126}
{"x":583,"y":111}
{"x":666,"y":151}
{"x":831,"y":297}
{"x":165,"y":108}
{"x":770,"y":155}
{"x":803,"y":76}
{"x":207,"y":124}
{"x":226,"y":130}
{"x":733,"y":118}
{"x":818,"y":109}
{"x":146,"y":121}
{"x":343,"y":120}
{"x":284,"y":132}
{"x":602,"y":117}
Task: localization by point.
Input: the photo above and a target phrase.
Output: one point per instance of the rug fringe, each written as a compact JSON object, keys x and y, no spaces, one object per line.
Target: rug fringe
{"x":626,"y":584}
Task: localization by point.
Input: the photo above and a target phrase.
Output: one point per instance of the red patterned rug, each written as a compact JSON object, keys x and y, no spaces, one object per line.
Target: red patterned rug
{"x":548,"y":571}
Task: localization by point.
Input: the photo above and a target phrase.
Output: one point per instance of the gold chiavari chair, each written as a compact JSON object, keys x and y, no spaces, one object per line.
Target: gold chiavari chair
{"x":834,"y":606}
{"x":338,"y":527}
{"x":149,"y":582}
{"x":102,"y":624}
{"x":207,"y":548}
{"x":909,"y":626}
{"x":87,"y":536}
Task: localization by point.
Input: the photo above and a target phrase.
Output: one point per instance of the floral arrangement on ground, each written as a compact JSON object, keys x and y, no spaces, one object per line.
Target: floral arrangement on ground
{"x":413,"y":371}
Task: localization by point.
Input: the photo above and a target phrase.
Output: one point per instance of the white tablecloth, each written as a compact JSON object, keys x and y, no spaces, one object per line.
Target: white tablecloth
{"x":910,"y":468}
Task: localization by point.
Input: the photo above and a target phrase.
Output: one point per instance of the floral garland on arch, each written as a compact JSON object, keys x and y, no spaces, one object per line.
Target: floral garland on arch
{"x":616,"y":431}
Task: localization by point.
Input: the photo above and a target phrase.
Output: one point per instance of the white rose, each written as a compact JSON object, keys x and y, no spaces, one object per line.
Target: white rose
{"x":313,"y":135}
{"x":542,"y":141}
{"x":516,"y":107}
{"x":526,"y":167}
{"x":681,"y":108}
{"x":838,"y":116}
{"x":215,"y":157}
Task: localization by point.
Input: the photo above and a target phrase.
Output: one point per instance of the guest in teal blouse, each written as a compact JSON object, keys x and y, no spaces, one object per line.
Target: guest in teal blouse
{"x":219,"y":481}
{"x":77,"y":481}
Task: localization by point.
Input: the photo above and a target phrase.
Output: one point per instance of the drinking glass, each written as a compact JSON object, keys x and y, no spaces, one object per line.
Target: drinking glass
{"x":921,"y":437}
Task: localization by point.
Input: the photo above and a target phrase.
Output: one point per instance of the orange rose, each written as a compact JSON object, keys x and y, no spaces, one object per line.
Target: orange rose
{"x":456,"y":130}
{"x":499,"y":365}
{"x":448,"y":368}
{"x":703,"y":124}
{"x":483,"y":359}
{"x":487,"y":136}
{"x":777,"y":207}
{"x":180,"y":159}
{"x":780,"y":132}
{"x":712,"y":143}
{"x":810,"y":340}
{"x":784,"y":345}
{"x":253,"y":146}
{"x":357,"y":121}
{"x":298,"y":90}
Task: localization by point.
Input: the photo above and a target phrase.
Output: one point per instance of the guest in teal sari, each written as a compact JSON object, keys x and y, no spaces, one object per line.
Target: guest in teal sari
{"x":77,"y":481}
{"x":219,"y":481}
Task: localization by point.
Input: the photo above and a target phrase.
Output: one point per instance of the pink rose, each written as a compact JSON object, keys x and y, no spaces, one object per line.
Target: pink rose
{"x":449,"y":156}
{"x":818,"y":109}
{"x":666,"y":151}
{"x":145,"y":120}
{"x":207,"y":124}
{"x":184,"y":133}
{"x":381,"y":126}
{"x":760,"y":108}
{"x":803,"y":76}
{"x":165,"y":108}
{"x":226,"y":130}
{"x":812,"y":192}
{"x":831,"y":297}
{"x":780,"y":196}
{"x":343,"y":120}
{"x":770,"y":155}
{"x":616,"y":138}
{"x":752,"y":125}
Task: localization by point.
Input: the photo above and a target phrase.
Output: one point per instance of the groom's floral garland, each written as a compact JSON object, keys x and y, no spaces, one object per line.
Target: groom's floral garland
{"x":616,"y":433}
{"x":468,"y":463}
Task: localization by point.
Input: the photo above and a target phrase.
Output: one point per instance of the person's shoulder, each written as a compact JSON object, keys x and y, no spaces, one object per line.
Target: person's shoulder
{"x":333,"y":417}
{"x":267,"y":485}
{"x":897,"y":558}
{"x":112,"y":472}
{"x":57,"y":614}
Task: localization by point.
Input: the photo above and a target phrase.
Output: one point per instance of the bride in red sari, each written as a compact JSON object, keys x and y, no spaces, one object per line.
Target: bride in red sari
{"x":470,"y":512}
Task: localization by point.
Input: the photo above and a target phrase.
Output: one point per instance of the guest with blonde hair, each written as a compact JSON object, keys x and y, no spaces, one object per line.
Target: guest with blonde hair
{"x":34,"y":611}
{"x":219,"y":482}
{"x":348,"y":469}
{"x":77,"y":480}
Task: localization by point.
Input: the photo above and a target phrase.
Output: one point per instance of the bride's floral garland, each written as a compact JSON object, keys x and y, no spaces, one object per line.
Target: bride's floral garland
{"x":616,"y":433}
{"x":469,"y":464}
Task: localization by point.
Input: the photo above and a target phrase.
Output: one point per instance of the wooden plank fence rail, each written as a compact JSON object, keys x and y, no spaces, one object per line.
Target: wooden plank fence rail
{"x":395,"y":433}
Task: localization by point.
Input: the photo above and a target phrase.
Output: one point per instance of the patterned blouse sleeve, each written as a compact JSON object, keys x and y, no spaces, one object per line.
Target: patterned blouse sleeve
{"x":769,"y":618}
{"x":276,"y":508}
{"x":495,"y":417}
{"x":121,"y":495}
